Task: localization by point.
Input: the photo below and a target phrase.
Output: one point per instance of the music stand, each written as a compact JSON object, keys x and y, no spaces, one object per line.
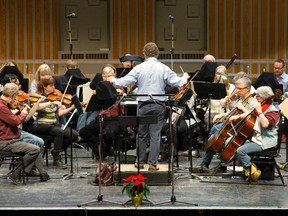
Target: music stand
{"x":135,"y":120}
{"x":121,"y":72}
{"x":210,"y":91}
{"x":207,"y":72}
{"x":101,"y":119}
{"x":78,"y":109}
{"x":171,"y":161}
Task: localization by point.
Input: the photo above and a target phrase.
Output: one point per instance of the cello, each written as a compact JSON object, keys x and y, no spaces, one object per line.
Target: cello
{"x":244,"y":130}
{"x":216,"y":141}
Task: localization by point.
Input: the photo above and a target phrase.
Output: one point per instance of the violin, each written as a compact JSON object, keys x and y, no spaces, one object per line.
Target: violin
{"x":22,"y":96}
{"x":58,"y":96}
{"x":16,"y":105}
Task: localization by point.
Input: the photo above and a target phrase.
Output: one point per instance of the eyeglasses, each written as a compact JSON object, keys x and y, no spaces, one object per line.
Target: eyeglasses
{"x":238,"y":88}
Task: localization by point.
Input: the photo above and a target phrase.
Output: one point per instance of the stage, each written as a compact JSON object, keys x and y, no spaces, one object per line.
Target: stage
{"x":194,"y":194}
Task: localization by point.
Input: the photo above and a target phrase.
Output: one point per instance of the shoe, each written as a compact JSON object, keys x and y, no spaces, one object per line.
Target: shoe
{"x":203,"y":168}
{"x":44,"y":177}
{"x":14,"y":178}
{"x":141,"y":165}
{"x":153,"y":167}
{"x":34,"y":173}
{"x":219,"y":169}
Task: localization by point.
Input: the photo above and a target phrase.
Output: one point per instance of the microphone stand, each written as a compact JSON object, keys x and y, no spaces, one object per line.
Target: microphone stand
{"x":172,"y":41}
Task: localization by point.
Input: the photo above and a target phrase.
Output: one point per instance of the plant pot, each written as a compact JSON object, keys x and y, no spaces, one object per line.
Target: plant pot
{"x":137,"y":200}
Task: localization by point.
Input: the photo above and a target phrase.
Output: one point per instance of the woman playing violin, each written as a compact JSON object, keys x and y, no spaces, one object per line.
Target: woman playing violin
{"x":265,"y":133}
{"x":243,"y":87}
{"x":46,"y":120}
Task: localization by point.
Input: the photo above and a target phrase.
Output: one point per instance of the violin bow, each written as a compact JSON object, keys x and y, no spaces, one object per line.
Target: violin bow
{"x":66,"y":88}
{"x":190,"y":81}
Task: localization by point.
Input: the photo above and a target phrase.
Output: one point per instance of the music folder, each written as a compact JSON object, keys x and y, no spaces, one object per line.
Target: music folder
{"x":207,"y":90}
{"x":121,"y":72}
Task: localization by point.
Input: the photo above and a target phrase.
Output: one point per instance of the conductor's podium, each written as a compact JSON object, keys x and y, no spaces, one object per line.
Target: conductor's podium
{"x":157,"y":178}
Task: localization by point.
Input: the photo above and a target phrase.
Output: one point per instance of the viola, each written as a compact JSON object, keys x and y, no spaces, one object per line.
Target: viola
{"x":58,"y":96}
{"x":22,"y":96}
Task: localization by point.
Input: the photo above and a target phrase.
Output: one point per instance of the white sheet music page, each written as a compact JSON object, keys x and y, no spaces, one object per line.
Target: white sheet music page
{"x":283,"y":107}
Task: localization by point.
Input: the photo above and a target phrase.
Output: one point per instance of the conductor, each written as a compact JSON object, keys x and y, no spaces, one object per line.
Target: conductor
{"x":151,"y":77}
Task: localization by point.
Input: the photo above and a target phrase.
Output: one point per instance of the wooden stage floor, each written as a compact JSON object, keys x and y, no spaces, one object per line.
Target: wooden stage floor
{"x":194,"y":194}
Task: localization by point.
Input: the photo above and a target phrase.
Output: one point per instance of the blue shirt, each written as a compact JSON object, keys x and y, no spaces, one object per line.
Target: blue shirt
{"x":283,"y":79}
{"x":151,"y":78}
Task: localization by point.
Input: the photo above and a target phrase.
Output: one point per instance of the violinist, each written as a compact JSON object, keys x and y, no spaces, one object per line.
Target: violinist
{"x":43,"y":72}
{"x":26,"y":136}
{"x":243,"y":87}
{"x":10,"y":137}
{"x":47,"y":121}
{"x":265,"y":133}
{"x":90,"y":132}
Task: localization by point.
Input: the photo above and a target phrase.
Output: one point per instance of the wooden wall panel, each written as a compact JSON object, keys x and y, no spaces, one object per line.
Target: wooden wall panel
{"x":211,"y":27}
{"x":3,"y":46}
{"x":133,"y":32}
{"x":281,"y":28}
{"x":12,"y":32}
{"x":47,"y":30}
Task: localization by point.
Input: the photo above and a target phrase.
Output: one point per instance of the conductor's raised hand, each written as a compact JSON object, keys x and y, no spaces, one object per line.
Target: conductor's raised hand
{"x":186,"y":75}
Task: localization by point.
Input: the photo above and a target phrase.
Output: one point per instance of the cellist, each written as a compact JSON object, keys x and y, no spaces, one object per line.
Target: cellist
{"x":264,"y":133}
{"x":243,"y":87}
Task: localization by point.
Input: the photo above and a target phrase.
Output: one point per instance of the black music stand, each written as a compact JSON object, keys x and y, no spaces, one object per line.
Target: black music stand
{"x":171,"y":161}
{"x":79,"y":110}
{"x":210,"y":91}
{"x":135,"y":120}
{"x":121,"y":72}
{"x":95,"y":106}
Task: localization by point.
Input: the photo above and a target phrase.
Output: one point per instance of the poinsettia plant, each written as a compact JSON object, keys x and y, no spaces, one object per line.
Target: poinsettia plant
{"x":136,"y":185}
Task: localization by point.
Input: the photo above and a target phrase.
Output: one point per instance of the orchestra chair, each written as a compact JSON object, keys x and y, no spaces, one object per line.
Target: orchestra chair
{"x":47,"y":145}
{"x":12,"y":160}
{"x":268,"y":156}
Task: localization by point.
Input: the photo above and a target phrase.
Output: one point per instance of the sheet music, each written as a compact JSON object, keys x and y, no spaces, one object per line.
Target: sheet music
{"x":283,"y":107}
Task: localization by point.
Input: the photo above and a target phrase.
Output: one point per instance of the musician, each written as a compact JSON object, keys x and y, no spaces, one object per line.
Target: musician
{"x":279,"y":71}
{"x":226,"y":102}
{"x":265,"y":133}
{"x":151,"y":77}
{"x":43,"y":72}
{"x":26,"y":136}
{"x":243,"y":87}
{"x":209,"y":58}
{"x":46,"y":121}
{"x":111,"y":129}
{"x":10,"y":140}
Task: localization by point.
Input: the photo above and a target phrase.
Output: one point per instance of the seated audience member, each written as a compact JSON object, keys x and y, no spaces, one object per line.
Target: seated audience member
{"x":10,"y":140}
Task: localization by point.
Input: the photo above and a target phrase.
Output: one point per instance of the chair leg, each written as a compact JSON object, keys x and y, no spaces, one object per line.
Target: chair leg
{"x":278,"y":170}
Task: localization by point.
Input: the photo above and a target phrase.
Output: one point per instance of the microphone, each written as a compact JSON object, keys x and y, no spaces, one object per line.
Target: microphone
{"x":171,"y":17}
{"x":71,"y":15}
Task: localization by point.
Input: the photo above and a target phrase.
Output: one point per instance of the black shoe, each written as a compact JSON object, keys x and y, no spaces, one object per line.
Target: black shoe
{"x":15,"y":178}
{"x":203,"y":168}
{"x":44,"y":177}
{"x":219,"y":169}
